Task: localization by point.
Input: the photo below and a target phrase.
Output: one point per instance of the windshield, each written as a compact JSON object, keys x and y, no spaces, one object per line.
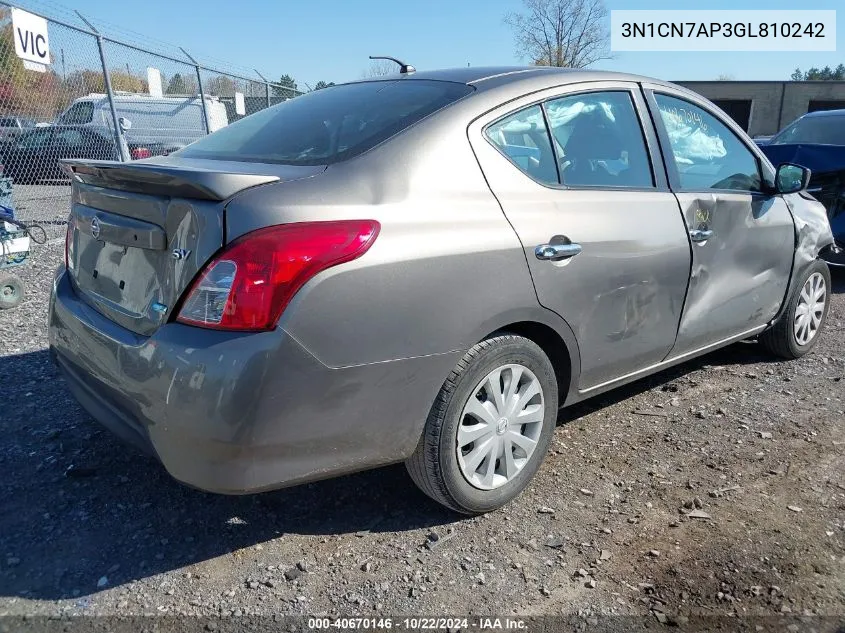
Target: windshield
{"x":329,"y":125}
{"x":822,"y":130}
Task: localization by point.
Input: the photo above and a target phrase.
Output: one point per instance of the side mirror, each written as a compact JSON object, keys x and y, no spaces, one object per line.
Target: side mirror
{"x":791,"y":178}
{"x":124,"y":123}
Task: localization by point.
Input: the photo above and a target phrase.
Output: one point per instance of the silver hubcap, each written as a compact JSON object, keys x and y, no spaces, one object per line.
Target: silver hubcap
{"x":808,"y":314}
{"x":500,"y":426}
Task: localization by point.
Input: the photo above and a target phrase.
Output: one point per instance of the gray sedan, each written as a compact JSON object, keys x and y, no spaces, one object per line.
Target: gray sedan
{"x":424,"y":268}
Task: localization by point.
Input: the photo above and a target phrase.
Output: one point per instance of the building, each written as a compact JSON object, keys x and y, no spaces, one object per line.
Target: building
{"x":763,"y":108}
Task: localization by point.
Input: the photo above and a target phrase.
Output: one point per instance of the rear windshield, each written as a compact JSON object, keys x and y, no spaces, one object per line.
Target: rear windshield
{"x":329,"y":125}
{"x":824,"y":130}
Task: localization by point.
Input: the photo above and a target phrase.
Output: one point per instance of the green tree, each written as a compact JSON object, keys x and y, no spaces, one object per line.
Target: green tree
{"x":820,"y":74}
{"x":177,"y":85}
{"x":182,"y":85}
{"x":286,"y":87}
{"x":322,"y":84}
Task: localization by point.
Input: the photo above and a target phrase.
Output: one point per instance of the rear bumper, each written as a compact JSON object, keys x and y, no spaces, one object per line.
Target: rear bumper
{"x":239,"y":413}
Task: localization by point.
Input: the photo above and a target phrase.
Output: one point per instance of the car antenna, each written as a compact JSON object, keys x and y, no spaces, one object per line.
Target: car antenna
{"x":404,"y":69}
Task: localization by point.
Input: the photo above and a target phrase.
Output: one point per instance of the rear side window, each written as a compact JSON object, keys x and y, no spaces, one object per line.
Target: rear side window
{"x":329,"y":125}
{"x":524,"y":139}
{"x":78,"y":114}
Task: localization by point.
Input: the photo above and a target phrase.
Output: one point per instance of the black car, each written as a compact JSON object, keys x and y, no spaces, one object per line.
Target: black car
{"x":11,"y":127}
{"x":35,"y":155}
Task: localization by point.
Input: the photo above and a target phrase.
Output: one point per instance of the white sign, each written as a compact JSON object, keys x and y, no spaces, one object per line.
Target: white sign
{"x":154,"y":82}
{"x":30,"y":33}
{"x":240,"y":106}
{"x":39,"y":68}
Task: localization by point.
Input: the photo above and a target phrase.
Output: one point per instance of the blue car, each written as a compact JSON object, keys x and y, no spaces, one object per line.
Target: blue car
{"x":817,"y":141}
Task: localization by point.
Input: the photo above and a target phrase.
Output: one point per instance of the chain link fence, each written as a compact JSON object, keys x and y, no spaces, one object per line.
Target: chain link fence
{"x":103,"y":98}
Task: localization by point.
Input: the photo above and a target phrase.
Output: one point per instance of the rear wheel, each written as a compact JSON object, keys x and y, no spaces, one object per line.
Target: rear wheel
{"x":490,"y":426}
{"x":11,"y":291}
{"x":798,"y":329}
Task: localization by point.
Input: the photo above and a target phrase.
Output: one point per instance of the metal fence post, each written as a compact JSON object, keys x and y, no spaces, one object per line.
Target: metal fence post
{"x":122,"y":148}
{"x":202,"y":92}
{"x":266,"y":85}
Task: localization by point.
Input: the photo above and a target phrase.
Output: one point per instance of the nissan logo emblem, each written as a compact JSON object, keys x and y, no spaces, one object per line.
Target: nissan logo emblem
{"x":95,"y":228}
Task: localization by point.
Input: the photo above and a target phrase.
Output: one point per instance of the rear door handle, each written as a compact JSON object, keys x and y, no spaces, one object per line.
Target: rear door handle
{"x":557,"y":252}
{"x":700,"y":235}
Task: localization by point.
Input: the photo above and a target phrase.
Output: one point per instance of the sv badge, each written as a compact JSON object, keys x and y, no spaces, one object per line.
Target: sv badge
{"x":180,"y":253}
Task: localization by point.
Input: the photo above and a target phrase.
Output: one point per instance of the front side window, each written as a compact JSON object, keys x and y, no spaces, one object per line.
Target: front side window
{"x":523,"y":138}
{"x":707,"y":154}
{"x":599,"y":140}
{"x":78,"y":114}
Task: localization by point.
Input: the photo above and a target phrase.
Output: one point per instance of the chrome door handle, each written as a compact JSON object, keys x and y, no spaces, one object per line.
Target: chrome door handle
{"x":556,"y":252}
{"x":700,"y":235}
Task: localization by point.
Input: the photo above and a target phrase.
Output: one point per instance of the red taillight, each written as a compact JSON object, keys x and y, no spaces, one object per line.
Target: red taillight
{"x":137,"y":153}
{"x":249,"y":284}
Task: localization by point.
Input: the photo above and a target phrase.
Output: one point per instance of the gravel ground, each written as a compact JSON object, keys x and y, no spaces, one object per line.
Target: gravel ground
{"x":46,"y":204}
{"x":716,"y":488}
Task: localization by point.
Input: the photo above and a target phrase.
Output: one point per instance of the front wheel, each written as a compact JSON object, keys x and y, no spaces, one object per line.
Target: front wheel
{"x":490,"y":426}
{"x":799,"y":327}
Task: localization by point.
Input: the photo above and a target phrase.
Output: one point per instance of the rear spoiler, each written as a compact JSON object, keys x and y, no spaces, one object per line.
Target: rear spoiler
{"x":163,"y":180}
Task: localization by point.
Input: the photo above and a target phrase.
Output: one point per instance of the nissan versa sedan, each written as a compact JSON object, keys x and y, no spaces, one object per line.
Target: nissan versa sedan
{"x":424,"y":268}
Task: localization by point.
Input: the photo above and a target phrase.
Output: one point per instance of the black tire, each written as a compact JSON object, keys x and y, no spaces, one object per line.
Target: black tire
{"x":11,"y":291}
{"x":434,"y":466}
{"x":780,"y":339}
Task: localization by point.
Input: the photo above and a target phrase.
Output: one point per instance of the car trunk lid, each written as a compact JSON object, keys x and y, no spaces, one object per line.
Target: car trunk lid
{"x":139,"y":232}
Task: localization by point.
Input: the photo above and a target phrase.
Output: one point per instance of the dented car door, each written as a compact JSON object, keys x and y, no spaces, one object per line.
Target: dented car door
{"x":741,"y":235}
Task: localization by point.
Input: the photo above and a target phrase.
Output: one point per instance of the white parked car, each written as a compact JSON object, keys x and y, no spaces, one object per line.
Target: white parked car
{"x":171,"y":121}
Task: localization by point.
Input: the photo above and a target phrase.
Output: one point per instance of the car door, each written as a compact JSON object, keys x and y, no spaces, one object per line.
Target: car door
{"x":603,"y":236}
{"x":741,"y":234}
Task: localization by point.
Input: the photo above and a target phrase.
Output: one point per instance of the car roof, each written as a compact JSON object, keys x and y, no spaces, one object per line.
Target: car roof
{"x":480,"y":75}
{"x":819,"y":113}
